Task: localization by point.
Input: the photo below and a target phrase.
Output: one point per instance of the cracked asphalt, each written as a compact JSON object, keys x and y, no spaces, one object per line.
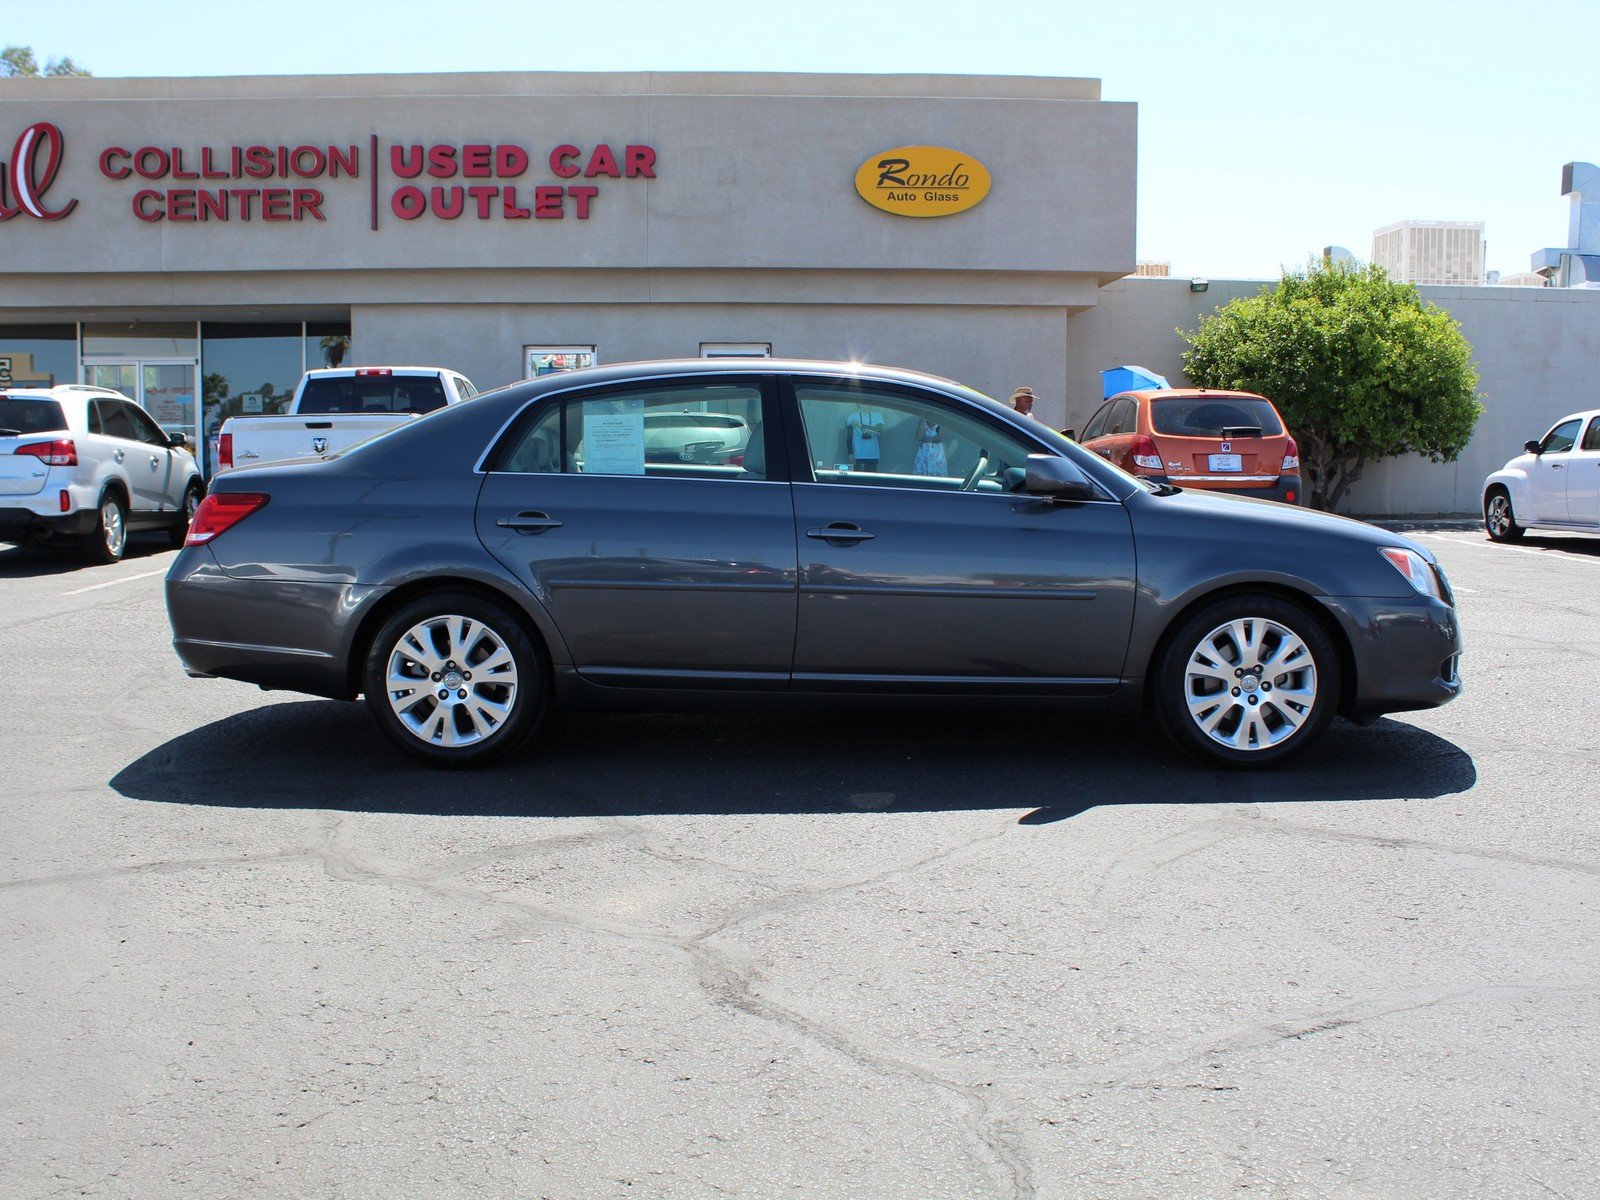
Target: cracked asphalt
{"x":247,"y":951}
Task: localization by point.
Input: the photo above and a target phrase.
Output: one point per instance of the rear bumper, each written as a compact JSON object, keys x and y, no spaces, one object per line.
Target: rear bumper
{"x":17,"y":523}
{"x":1406,"y":652}
{"x":1280,"y":489}
{"x":292,"y":635}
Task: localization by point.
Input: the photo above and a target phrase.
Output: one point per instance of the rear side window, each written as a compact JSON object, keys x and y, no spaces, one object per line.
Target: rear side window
{"x":1235,"y":416}
{"x":373,"y":394}
{"x":1124,"y":417}
{"x":1591,"y":439}
{"x":1097,"y":424}
{"x":22,"y":415}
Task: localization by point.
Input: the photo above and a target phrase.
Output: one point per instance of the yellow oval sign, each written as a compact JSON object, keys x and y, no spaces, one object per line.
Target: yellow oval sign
{"x":922,"y":181}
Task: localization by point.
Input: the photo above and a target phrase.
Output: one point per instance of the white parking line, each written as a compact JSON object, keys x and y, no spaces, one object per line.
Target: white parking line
{"x":1547,"y":553}
{"x":95,"y":587}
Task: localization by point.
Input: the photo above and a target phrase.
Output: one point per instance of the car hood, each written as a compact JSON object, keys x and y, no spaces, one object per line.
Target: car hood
{"x":1251,"y":515}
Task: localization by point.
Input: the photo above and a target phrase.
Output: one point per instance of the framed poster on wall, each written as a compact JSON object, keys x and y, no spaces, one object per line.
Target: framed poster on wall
{"x":549,"y":360}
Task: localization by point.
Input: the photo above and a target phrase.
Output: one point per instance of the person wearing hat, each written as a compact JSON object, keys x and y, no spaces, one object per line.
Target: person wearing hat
{"x":1022,"y":401}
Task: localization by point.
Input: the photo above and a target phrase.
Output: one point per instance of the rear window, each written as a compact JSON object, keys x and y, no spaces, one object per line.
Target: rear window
{"x":21,"y":415}
{"x":1236,"y":416}
{"x":373,"y":394}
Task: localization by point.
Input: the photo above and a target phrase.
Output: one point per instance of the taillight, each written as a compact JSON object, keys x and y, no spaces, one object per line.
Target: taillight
{"x":1291,"y":456}
{"x":63,"y":452}
{"x":225,"y":450}
{"x":1144,"y":453}
{"x":220,"y":512}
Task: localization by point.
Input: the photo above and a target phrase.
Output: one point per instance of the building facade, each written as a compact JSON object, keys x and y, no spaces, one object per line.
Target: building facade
{"x":198,"y":243}
{"x":1431,"y":252}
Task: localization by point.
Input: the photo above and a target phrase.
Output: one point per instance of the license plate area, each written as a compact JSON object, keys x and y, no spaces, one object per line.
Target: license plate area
{"x":1226,"y":462}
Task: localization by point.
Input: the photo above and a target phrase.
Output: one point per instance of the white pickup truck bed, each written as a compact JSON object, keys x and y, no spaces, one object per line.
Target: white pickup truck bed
{"x":334,"y":408}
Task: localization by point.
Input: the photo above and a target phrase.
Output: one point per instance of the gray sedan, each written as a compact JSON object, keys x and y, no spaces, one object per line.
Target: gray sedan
{"x":882,"y":534}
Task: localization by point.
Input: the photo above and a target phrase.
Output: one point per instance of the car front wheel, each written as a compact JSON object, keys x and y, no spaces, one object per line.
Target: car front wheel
{"x":454,"y":680}
{"x":179,"y":533}
{"x":1499,"y":522}
{"x":1247,"y":681}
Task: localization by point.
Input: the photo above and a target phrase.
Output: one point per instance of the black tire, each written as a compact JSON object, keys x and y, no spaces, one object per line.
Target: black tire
{"x":179,"y":533}
{"x":1499,"y":521}
{"x":423,"y":724}
{"x":1227,"y":711}
{"x":109,"y":541}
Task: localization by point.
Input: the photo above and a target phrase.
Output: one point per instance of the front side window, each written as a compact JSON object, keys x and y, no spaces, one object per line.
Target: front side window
{"x":695,"y":430}
{"x":884,"y":437}
{"x":1562,"y":437}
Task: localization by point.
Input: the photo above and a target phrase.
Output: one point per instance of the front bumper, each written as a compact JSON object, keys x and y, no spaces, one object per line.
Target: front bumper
{"x":1406,"y":651}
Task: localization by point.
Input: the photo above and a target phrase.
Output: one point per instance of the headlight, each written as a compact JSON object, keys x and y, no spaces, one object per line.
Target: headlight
{"x":1417,"y":570}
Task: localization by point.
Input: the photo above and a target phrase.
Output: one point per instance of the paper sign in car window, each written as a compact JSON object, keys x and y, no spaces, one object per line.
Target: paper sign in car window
{"x":613,"y":437}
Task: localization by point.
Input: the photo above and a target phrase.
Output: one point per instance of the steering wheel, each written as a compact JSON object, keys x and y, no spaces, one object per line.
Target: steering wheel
{"x":971,"y":481}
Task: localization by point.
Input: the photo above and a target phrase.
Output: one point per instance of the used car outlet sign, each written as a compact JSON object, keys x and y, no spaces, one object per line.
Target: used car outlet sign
{"x":922,"y":181}
{"x":412,"y":181}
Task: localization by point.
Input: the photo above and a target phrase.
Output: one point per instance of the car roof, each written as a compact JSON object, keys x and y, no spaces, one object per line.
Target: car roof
{"x":347,"y":372}
{"x":1190,"y":394}
{"x":615,"y":372}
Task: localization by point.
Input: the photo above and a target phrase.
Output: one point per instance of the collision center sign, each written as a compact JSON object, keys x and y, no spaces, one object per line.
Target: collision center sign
{"x":446,"y":181}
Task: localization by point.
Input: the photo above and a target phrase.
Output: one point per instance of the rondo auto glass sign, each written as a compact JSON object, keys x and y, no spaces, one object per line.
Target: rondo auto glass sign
{"x":411,"y":181}
{"x":922,"y":181}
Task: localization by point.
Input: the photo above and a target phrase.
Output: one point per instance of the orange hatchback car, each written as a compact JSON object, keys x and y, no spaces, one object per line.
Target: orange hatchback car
{"x":1225,"y":441}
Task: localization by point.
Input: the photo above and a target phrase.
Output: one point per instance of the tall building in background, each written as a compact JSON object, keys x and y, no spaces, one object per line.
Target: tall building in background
{"x":1431,"y":251}
{"x":1153,"y":270}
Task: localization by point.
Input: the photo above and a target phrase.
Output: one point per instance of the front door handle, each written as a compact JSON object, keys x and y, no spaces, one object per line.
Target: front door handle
{"x":529,"y":522}
{"x":119,"y":455}
{"x":1557,"y":467}
{"x":840,"y":531}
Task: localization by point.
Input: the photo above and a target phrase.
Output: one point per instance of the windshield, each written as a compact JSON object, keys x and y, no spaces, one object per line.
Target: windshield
{"x":22,"y":415}
{"x":1214,"y":417}
{"x":373,"y":394}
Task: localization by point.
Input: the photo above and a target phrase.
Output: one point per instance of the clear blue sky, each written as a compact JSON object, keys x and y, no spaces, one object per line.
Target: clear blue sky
{"x":1266,"y":130}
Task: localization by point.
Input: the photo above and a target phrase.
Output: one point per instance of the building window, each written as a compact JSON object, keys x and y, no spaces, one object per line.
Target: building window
{"x":327,"y":344}
{"x":735,"y":349}
{"x":550,"y":360}
{"x":38,"y":356}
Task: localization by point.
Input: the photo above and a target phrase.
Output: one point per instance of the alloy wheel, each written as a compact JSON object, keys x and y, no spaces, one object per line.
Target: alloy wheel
{"x":451,"y":680}
{"x":1499,"y":515}
{"x":1250,"y":684}
{"x":114,"y":528}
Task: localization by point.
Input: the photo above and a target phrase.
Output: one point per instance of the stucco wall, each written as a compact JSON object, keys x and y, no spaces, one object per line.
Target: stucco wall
{"x":980,"y":347}
{"x":1537,"y":351}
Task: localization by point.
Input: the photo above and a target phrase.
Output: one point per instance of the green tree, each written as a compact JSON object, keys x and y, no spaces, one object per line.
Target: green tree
{"x":1358,"y":365}
{"x":18,"y":62}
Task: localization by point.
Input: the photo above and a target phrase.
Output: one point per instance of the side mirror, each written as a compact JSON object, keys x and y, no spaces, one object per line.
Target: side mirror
{"x":1070,"y":434}
{"x":177,"y":441}
{"x":1057,"y":478}
{"x":1533,"y":447}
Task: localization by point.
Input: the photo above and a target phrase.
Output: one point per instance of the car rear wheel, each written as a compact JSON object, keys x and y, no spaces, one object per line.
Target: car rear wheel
{"x":1499,"y":522}
{"x":454,"y":680}
{"x":179,"y":533}
{"x":1248,"y":681}
{"x":109,"y":541}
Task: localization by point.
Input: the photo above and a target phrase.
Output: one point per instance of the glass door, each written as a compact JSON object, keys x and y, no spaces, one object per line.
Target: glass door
{"x":164,"y":388}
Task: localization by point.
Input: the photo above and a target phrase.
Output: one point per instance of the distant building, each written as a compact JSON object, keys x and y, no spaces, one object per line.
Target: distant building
{"x":1521,"y":279}
{"x":1153,"y":270}
{"x":1577,"y":264}
{"x":1431,"y":252}
{"x":1337,"y":256}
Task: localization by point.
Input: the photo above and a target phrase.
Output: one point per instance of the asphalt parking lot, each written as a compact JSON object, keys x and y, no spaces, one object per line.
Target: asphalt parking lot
{"x":248,"y":951}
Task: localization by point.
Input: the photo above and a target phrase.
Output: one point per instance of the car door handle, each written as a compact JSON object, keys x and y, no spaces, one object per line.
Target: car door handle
{"x":1557,"y":467}
{"x":118,"y":455}
{"x":529,"y":522}
{"x":840,"y":531}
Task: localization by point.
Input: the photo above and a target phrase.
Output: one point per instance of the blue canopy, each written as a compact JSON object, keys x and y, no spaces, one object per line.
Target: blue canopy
{"x":1131,"y":379}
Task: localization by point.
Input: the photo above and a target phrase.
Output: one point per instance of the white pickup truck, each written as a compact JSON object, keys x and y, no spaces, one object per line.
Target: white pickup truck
{"x":333,"y":409}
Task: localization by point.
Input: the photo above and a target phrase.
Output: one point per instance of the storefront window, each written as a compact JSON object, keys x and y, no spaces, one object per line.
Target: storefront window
{"x":327,"y":344}
{"x":38,"y":355}
{"x":141,"y":339}
{"x":249,"y":369}
{"x":548,"y":360}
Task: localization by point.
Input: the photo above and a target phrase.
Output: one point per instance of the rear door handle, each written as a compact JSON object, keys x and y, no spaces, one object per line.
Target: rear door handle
{"x":529,"y":522}
{"x":840,"y":531}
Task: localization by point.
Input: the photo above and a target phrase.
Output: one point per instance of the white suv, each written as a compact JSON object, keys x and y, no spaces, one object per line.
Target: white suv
{"x":88,"y":463}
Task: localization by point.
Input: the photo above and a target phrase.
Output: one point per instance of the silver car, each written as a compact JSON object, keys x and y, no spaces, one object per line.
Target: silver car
{"x":89,"y":466}
{"x":536,"y":548}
